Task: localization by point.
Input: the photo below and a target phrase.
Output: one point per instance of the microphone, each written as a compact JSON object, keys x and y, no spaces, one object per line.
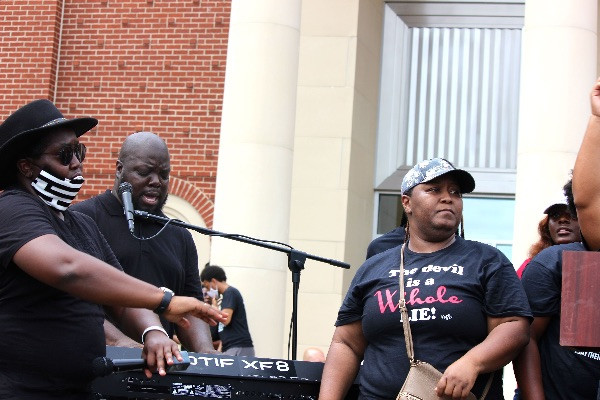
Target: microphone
{"x":125,"y":190}
{"x":103,"y":366}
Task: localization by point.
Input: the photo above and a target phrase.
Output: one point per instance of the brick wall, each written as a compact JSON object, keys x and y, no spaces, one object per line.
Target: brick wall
{"x":156,"y":65}
{"x":28,"y":52}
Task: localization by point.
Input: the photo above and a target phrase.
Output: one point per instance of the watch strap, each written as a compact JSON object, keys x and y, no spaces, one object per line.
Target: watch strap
{"x":166,"y":300}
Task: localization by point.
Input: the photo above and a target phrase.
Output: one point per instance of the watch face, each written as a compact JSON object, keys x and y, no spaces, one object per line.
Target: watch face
{"x":165,"y":289}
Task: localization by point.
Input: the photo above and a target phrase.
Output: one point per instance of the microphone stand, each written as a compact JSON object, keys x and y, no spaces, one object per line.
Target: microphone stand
{"x":296,"y":260}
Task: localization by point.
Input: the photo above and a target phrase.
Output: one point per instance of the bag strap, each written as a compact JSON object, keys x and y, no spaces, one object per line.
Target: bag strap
{"x":406,"y":325}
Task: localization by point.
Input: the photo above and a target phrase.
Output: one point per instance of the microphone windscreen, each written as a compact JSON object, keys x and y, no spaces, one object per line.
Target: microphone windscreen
{"x":102,"y":366}
{"x":125,"y":187}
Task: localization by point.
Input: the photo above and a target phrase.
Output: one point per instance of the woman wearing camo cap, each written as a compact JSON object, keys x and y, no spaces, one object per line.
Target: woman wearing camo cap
{"x":468,"y":313}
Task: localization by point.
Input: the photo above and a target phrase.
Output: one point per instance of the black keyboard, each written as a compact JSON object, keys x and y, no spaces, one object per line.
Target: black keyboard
{"x":216,"y":376}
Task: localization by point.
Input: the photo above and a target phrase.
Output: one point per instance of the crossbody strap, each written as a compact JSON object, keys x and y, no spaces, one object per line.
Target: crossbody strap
{"x":406,"y":325}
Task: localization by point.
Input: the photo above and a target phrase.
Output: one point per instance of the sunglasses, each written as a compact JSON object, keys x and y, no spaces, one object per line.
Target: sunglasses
{"x":65,"y":154}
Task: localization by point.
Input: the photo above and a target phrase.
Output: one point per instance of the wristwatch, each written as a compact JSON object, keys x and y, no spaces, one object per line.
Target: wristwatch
{"x":164,"y":303}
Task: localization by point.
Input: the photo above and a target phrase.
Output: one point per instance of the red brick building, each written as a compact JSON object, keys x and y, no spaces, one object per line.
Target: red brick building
{"x":152,"y":65}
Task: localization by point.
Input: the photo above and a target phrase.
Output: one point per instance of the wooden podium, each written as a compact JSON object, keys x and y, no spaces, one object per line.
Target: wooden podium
{"x":580,"y":302}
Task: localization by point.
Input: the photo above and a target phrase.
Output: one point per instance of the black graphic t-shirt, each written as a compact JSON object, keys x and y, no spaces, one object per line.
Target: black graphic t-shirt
{"x":449,"y":294}
{"x":566,"y":374}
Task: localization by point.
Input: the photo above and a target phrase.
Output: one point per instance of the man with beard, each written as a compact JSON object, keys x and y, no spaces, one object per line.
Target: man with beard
{"x":168,"y":259}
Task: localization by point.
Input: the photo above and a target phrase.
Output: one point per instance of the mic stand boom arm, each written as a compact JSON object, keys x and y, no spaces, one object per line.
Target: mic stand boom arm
{"x":296,"y":260}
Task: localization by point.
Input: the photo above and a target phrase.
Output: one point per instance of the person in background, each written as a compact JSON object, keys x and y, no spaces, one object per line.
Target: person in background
{"x":393,"y":238}
{"x":545,"y":369}
{"x":165,"y":258}
{"x":233,"y":332}
{"x":56,"y":268}
{"x":559,"y":226}
{"x":468,"y":312}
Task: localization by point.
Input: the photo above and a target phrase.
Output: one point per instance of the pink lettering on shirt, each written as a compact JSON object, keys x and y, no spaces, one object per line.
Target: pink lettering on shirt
{"x":413,"y":299}
{"x":389,"y":303}
{"x":441,"y":291}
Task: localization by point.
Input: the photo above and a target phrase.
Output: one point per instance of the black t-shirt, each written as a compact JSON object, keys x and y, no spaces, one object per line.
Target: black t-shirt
{"x":169,"y":260}
{"x":566,"y":374}
{"x":449,"y":295}
{"x":236,"y":334}
{"x":386,"y":241}
{"x":49,"y":337}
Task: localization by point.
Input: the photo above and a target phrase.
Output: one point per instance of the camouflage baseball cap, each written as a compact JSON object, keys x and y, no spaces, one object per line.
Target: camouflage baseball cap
{"x":428,"y":170}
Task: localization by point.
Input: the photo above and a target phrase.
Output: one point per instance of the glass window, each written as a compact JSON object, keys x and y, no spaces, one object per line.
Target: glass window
{"x":390,"y":212}
{"x":490,"y":221}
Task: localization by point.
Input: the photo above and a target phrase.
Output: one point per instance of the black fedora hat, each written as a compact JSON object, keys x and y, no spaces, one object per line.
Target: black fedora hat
{"x":31,"y":122}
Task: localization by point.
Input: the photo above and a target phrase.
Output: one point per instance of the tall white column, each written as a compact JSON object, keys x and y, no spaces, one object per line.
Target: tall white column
{"x":558,"y":70}
{"x":255,"y":160}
